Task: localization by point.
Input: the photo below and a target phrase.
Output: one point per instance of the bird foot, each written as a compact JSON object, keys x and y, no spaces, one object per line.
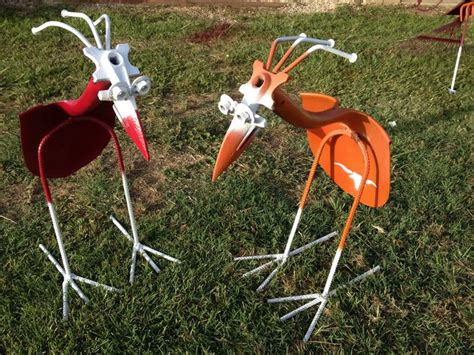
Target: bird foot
{"x":316,"y":298}
{"x":70,"y":280}
{"x":279,"y":259}
{"x":143,"y":250}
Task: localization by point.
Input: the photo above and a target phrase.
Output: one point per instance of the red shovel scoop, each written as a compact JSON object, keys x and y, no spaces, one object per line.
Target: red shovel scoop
{"x":72,"y":146}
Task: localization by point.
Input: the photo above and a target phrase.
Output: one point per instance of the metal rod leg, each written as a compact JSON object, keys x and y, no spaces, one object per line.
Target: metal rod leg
{"x":138,"y":247}
{"x":132,"y":267}
{"x":59,"y":238}
{"x":151,"y":262}
{"x":456,"y":67}
{"x":282,"y":258}
{"x":315,"y":321}
{"x":315,"y":297}
{"x":310,"y":296}
{"x":79,"y":291}
{"x":269,"y":278}
{"x":65,"y":304}
{"x":52,"y":259}
{"x":458,"y":58}
{"x":121,"y":228}
{"x":159,"y":253}
{"x":95,"y":284}
{"x":257,"y":257}
{"x":301,"y":309}
{"x":259,"y":268}
{"x":313,"y":243}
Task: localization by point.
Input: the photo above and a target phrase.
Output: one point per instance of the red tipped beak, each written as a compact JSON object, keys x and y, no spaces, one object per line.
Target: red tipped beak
{"x":133,"y":127}
{"x":130,"y":120}
{"x":237,"y":139}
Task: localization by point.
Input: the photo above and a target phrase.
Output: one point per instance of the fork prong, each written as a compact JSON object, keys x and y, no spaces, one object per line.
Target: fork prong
{"x":258,"y":269}
{"x":268,"y":279}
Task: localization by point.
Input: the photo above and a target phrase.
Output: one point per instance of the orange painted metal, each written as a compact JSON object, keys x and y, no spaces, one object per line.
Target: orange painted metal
{"x":350,"y":146}
{"x":232,"y":147}
{"x":320,"y":115}
{"x":341,"y":163}
{"x":457,"y":9}
{"x":466,"y":10}
{"x":451,"y":28}
{"x":265,"y":80}
{"x":319,"y":157}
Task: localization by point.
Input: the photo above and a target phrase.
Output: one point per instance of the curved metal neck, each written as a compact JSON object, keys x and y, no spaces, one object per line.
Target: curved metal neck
{"x":294,"y":114}
{"x":87,"y":101}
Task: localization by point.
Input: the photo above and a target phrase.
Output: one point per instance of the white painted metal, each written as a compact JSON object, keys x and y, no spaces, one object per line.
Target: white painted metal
{"x":332,"y":271}
{"x":257,"y":257}
{"x":281,"y":259}
{"x":352,"y":57}
{"x":267,"y":280}
{"x":322,"y":299}
{"x":260,"y":268}
{"x":138,"y":248}
{"x":65,"y":13}
{"x":355,"y":177}
{"x":59,"y":237}
{"x":456,"y":67}
{"x":315,"y":320}
{"x":303,"y":38}
{"x":78,"y":34}
{"x":106,"y":19}
{"x":69,"y":277}
{"x":296,"y":222}
{"x":112,"y":65}
{"x":131,"y":215}
{"x":310,"y":244}
{"x":313,"y":296}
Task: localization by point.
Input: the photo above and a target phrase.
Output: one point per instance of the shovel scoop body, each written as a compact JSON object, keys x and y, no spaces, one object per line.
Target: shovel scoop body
{"x":73,"y":145}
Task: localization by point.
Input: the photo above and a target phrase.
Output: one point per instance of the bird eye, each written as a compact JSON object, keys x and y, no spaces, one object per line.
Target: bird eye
{"x":226,"y":104}
{"x":141,"y":85}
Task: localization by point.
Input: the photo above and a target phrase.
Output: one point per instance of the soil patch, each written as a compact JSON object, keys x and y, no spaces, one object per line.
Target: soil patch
{"x":210,"y":34}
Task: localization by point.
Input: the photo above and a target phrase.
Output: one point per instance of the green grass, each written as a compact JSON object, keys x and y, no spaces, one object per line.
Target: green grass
{"x":420,"y":302}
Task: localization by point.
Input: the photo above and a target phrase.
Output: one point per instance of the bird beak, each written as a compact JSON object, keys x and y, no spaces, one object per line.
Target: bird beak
{"x":126,"y":111}
{"x":236,"y":140}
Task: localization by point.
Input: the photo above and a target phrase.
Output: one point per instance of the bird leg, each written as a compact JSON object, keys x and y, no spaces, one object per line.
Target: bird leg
{"x":69,"y":278}
{"x":138,"y":247}
{"x":323,"y":298}
{"x":280,"y":259}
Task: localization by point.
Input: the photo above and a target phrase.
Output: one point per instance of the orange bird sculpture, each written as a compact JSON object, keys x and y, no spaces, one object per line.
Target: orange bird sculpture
{"x":350,"y":146}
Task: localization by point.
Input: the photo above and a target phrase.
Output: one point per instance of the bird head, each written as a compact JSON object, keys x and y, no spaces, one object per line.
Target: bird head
{"x":257,"y":92}
{"x":112,"y":65}
{"x":246,"y":122}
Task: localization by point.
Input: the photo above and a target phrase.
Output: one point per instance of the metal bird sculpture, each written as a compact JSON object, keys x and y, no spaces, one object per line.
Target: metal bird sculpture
{"x":350,"y":146}
{"x":60,"y":138}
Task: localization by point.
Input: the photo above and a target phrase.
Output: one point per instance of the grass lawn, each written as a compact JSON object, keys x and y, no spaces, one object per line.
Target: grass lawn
{"x":421,"y":300}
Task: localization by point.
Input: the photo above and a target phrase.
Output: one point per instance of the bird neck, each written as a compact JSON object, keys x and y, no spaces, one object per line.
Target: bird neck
{"x":87,"y":102}
{"x":296,"y":115}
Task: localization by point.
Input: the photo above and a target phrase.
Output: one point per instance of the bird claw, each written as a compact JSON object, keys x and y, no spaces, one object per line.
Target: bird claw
{"x":70,"y":281}
{"x":278,"y":258}
{"x":317,"y":298}
{"x":143,"y":250}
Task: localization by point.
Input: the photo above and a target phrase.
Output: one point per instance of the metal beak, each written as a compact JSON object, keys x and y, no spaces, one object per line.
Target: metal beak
{"x":126,"y":111}
{"x":237,"y":139}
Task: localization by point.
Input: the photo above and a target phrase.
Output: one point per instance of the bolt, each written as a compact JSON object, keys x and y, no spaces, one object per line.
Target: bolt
{"x":142,"y":87}
{"x":118,"y":93}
